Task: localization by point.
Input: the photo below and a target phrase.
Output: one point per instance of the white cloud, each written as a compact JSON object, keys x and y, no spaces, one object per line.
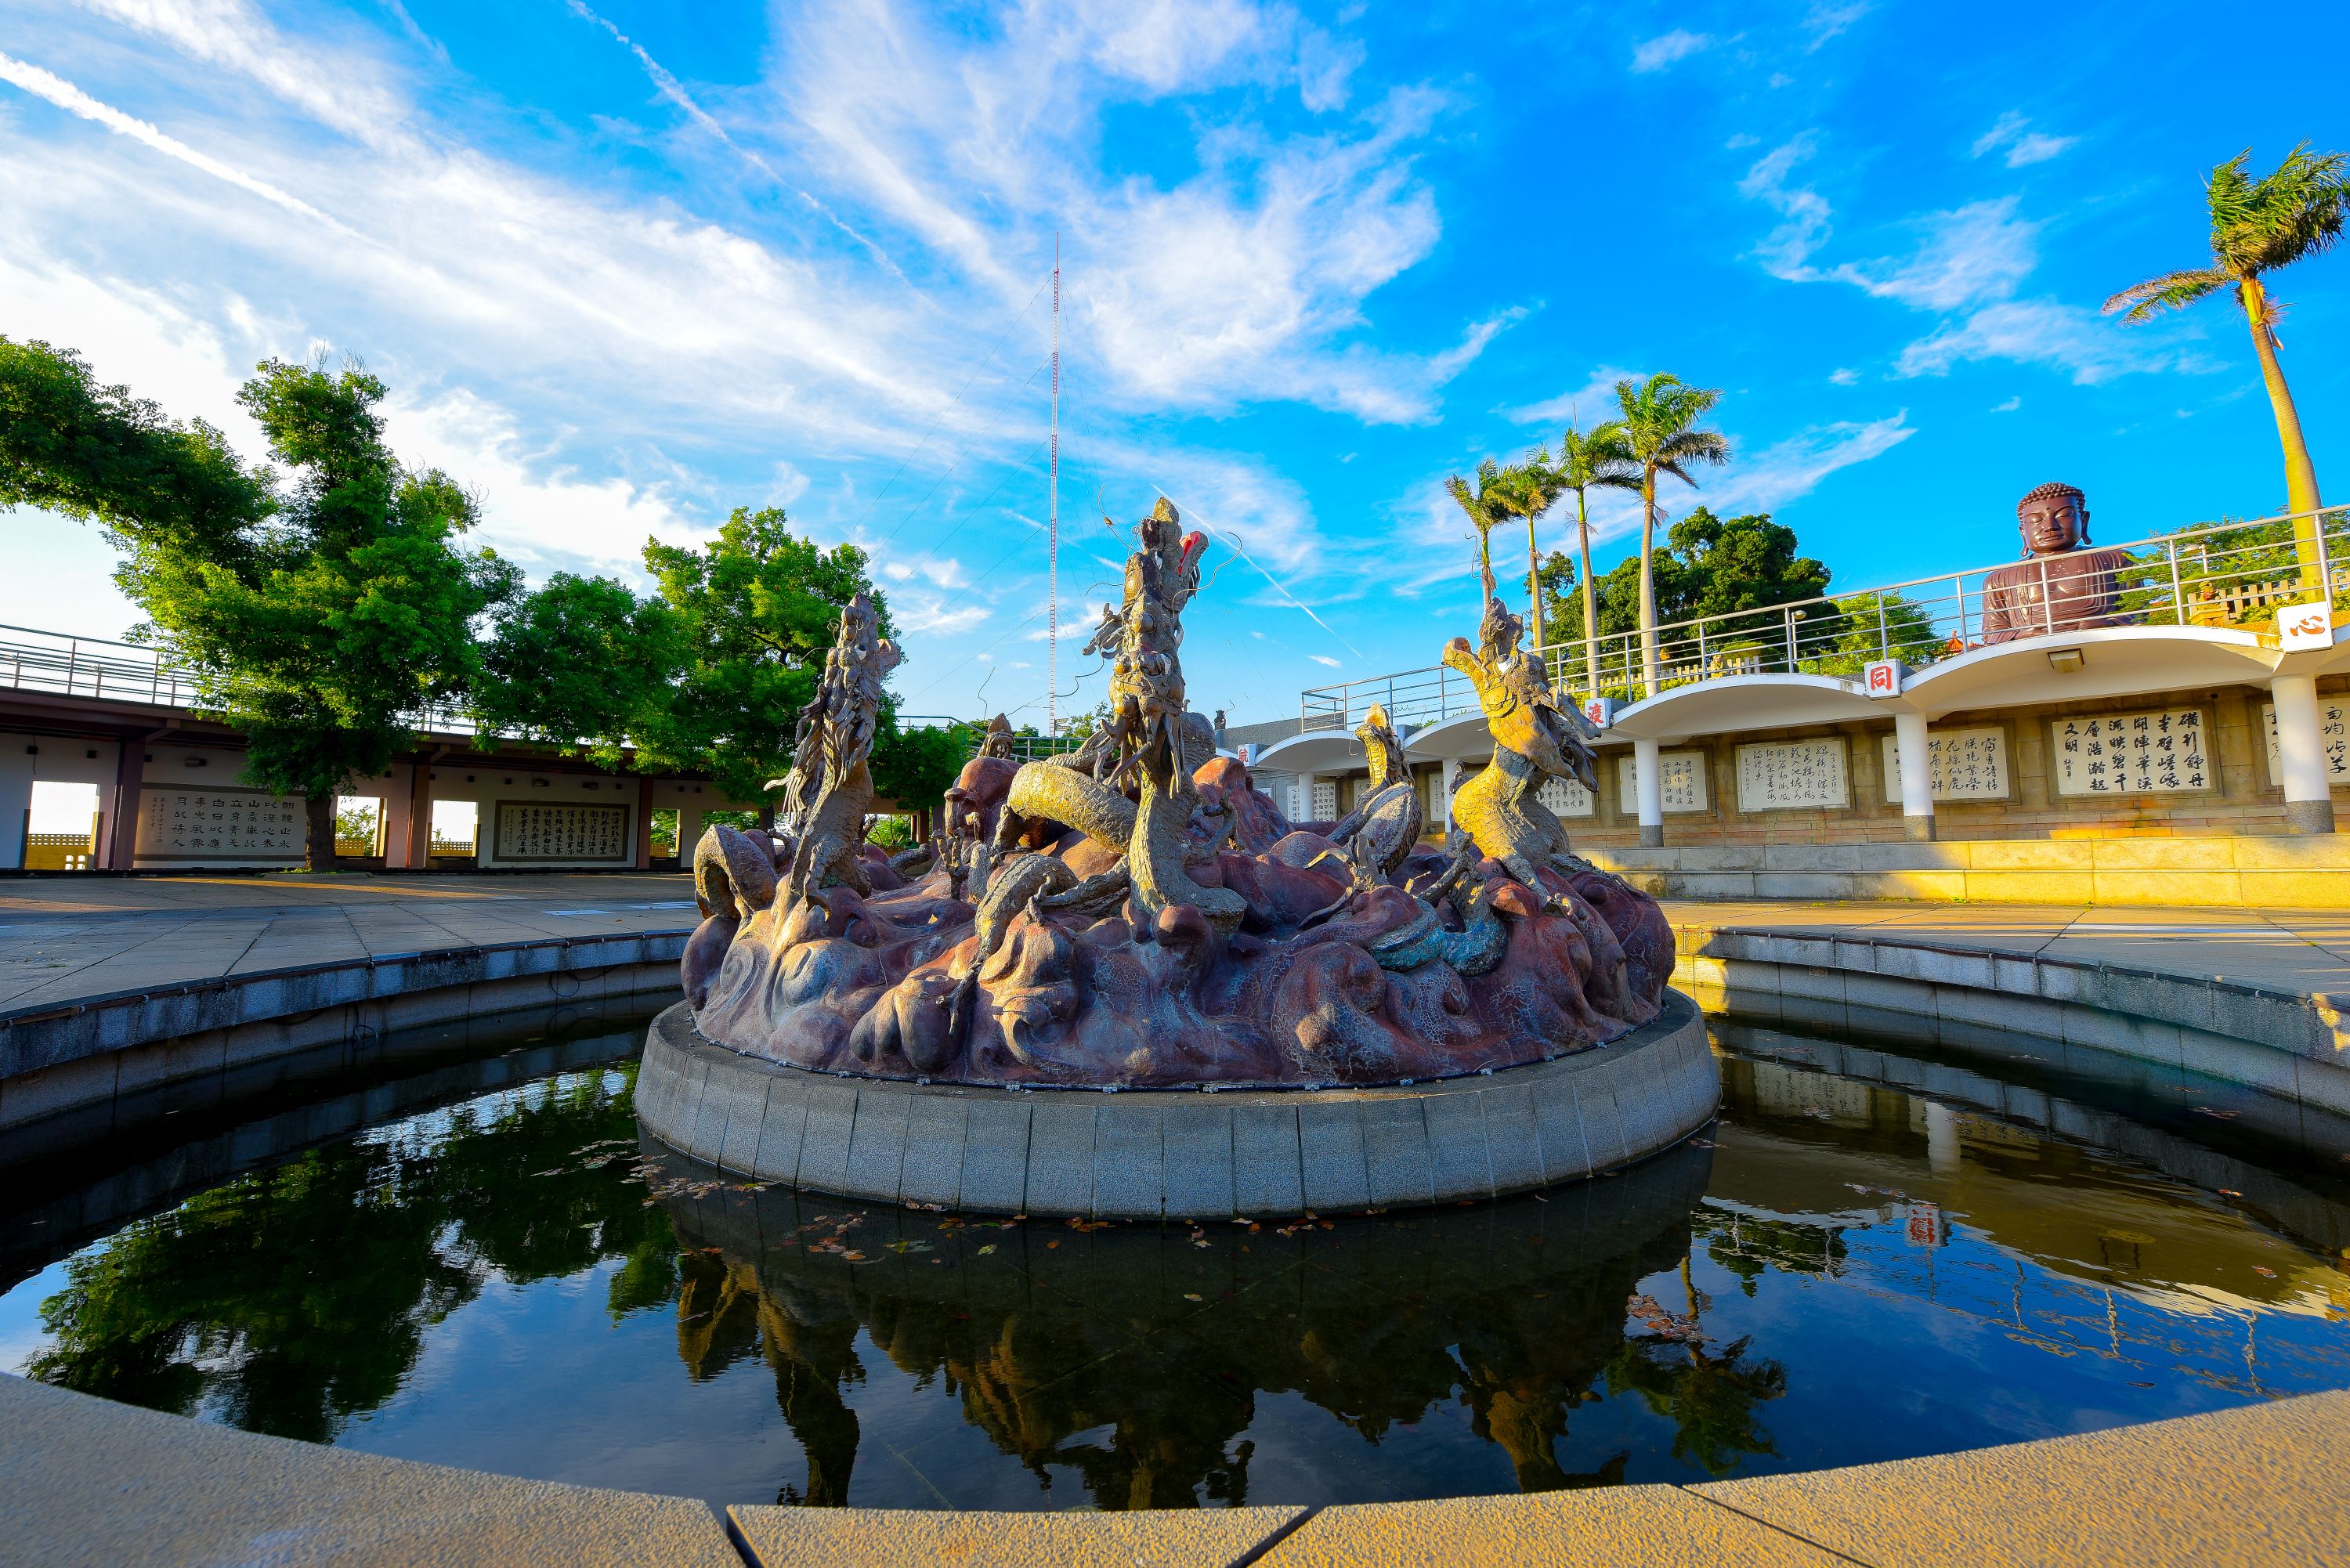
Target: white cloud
{"x":1844,"y":377}
{"x":2008,"y":407}
{"x":1829,"y":17}
{"x":1981,"y":250}
{"x":535,"y":508}
{"x":1787,"y":251}
{"x":2068,"y":337}
{"x":1665,"y":49}
{"x":1325,"y":659}
{"x":2025,"y":146}
{"x":1593,"y":401}
{"x":1789,"y":469}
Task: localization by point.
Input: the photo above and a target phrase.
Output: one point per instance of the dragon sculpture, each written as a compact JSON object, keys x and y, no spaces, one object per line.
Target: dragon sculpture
{"x":1136,"y":912}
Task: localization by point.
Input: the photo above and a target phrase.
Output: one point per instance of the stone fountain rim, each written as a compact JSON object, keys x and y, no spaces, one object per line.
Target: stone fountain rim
{"x":1182,"y":1153}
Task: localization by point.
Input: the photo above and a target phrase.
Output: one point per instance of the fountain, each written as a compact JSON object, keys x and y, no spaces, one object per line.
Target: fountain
{"x":1380,"y":1020}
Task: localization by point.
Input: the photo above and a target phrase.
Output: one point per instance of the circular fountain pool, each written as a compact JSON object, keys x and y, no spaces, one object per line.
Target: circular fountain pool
{"x":482,"y":1261}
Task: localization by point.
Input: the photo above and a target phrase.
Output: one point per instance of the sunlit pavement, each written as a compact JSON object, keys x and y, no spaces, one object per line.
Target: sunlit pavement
{"x":63,"y":938}
{"x":66,"y":938}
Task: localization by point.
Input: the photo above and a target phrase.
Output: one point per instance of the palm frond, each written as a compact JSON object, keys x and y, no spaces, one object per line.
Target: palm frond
{"x":2296,"y":209}
{"x":2171,"y":291}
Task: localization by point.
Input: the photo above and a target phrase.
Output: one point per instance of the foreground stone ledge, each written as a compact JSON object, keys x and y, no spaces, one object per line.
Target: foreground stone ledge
{"x":2291,"y":1044}
{"x":74,"y":1056}
{"x":775,"y":1537}
{"x":88,"y":1481}
{"x":2262,"y":1484}
{"x":1143,"y":1154}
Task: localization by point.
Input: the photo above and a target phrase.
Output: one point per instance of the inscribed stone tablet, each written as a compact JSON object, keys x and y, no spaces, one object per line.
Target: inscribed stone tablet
{"x":533,"y":830}
{"x":1683,"y":773}
{"x":1566,"y":797}
{"x":219,"y":824}
{"x":1785,"y":775}
{"x":2158,"y":751}
{"x":1963,"y":764}
{"x":2333,"y":727}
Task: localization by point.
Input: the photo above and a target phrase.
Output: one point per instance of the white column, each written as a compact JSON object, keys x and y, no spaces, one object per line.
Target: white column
{"x":2300,"y":754}
{"x":1448,"y":773}
{"x":688,"y":834}
{"x":1649,"y":781}
{"x":1942,"y":1138}
{"x":1310,"y":784}
{"x":1917,"y":777}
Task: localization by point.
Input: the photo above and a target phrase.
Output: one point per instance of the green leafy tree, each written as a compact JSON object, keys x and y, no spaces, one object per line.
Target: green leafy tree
{"x":916,"y":767}
{"x":321,"y":612}
{"x":1709,"y":566}
{"x":581,"y":659}
{"x":1661,"y":435}
{"x":891,"y":833}
{"x":1862,"y":627}
{"x":1483,"y":508}
{"x":755,"y":609}
{"x":1588,"y":461}
{"x":96,"y":454}
{"x":1525,"y":491}
{"x":2259,"y":225}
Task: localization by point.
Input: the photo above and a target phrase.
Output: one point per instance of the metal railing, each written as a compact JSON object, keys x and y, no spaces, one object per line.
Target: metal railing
{"x":2228,"y":574}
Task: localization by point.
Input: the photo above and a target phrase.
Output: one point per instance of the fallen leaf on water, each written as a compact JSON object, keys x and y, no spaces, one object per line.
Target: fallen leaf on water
{"x":2270,"y":1272}
{"x":986,"y":1249}
{"x":1193,"y":1296}
{"x":2229,"y":1192}
{"x":1050,"y":1245}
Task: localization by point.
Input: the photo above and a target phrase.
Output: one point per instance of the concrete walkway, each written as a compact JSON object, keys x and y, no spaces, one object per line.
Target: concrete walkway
{"x":64,"y":939}
{"x":2302,"y":951}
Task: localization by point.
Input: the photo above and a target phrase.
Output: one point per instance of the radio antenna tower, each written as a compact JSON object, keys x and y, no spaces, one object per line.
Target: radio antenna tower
{"x":1053,"y":571}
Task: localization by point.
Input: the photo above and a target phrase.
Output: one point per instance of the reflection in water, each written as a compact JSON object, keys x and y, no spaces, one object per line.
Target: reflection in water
{"x":1137,"y":1357}
{"x":1841,"y":1270}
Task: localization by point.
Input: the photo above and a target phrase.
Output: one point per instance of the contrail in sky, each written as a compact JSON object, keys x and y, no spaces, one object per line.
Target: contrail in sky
{"x":56,"y":89}
{"x":674,"y":91}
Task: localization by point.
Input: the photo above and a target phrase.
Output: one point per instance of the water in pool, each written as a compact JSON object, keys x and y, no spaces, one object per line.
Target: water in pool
{"x":491,"y":1268}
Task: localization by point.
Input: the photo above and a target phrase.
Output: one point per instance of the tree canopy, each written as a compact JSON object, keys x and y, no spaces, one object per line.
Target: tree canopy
{"x":580,"y":659}
{"x":1709,"y":566}
{"x":756,"y":610}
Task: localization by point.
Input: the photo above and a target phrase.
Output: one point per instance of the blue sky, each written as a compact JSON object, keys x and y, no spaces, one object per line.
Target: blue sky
{"x":630,"y":265}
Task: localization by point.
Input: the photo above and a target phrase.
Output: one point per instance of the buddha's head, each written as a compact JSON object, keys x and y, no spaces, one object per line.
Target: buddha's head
{"x":2053,"y":519}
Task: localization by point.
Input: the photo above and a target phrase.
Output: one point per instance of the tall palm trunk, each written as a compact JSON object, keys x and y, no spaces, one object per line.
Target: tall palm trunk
{"x":1533,"y":584}
{"x":1648,"y":583}
{"x":1590,"y":600}
{"x":2299,"y":473}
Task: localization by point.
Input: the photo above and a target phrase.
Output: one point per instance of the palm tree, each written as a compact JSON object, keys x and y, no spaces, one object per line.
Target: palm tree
{"x":2258,"y":227}
{"x":1661,"y":435}
{"x":1483,"y":506}
{"x":1526,"y":490}
{"x":1597,"y":460}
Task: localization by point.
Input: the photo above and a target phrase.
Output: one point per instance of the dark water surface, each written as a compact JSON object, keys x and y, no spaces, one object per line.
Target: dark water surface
{"x":472,"y":1259}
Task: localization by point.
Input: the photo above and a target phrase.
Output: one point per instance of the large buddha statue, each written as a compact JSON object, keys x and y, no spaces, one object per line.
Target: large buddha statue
{"x":2060,"y":584}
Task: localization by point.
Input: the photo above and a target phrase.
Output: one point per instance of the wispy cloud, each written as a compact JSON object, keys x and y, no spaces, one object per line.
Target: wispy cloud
{"x":2023,"y":145}
{"x":2067,"y":337}
{"x":1667,"y":48}
{"x":1589,"y":403}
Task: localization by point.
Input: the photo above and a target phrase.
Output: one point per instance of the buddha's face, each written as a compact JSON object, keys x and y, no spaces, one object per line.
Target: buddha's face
{"x":2052,"y":523}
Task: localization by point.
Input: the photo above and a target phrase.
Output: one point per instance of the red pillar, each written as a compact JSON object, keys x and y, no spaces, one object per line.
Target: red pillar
{"x":419,"y":849}
{"x":644,"y":824}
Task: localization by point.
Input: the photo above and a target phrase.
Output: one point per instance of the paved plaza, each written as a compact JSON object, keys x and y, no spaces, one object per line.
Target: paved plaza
{"x":63,"y":938}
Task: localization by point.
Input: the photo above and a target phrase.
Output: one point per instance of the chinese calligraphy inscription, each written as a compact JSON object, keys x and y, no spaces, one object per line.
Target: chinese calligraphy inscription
{"x":2333,"y":727}
{"x":1784,"y":776}
{"x":1683,"y":782}
{"x":530,"y":830}
{"x":219,"y":825}
{"x":2153,"y":752}
{"x":1961,"y":765}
